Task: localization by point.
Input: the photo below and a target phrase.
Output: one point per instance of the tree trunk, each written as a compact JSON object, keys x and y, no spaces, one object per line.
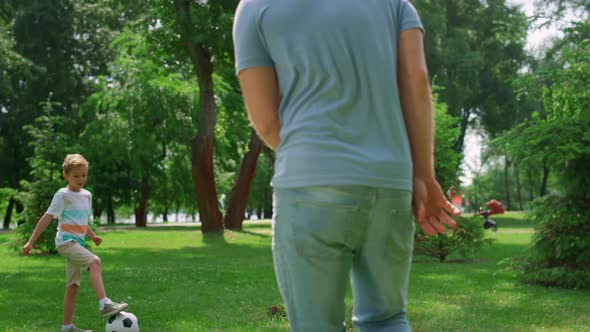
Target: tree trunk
{"x":518,"y":191}
{"x":442,"y":256}
{"x":543,"y":190}
{"x":110,"y":211}
{"x":506,"y":183}
{"x":8,"y":214}
{"x":141,"y":211}
{"x":238,"y":199}
{"x":202,"y":143}
{"x":267,"y":212}
{"x":97,"y":212}
{"x":530,"y":185}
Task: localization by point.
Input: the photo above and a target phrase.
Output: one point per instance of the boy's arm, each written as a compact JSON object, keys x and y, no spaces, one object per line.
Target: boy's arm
{"x":96,"y":239}
{"x":41,"y":225}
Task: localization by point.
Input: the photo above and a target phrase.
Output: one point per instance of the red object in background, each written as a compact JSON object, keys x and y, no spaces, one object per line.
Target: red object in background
{"x":495,"y":207}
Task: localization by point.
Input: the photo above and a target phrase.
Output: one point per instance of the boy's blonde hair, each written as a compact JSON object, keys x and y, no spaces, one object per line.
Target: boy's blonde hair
{"x":73,"y":160}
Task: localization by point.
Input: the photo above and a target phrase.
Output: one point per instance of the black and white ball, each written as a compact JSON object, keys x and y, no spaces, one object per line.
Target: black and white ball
{"x":123,"y":322}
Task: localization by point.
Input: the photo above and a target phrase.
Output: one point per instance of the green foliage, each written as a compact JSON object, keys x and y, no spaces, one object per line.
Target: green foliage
{"x":560,"y":253}
{"x":561,"y":140}
{"x":475,"y":49}
{"x":136,"y":118}
{"x":174,"y":190}
{"x":465,"y":240}
{"x":5,"y":195}
{"x":446,"y":133}
{"x":260,"y":198}
{"x":46,"y":172}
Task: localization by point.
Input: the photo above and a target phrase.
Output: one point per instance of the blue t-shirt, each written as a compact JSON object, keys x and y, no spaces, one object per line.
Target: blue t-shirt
{"x":336,"y":62}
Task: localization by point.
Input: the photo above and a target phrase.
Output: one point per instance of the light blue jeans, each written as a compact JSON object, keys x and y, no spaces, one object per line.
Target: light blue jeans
{"x":322,"y":235}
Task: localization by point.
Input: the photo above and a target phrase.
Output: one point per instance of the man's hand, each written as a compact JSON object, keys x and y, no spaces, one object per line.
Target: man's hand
{"x":97,"y":240}
{"x":431,"y":206}
{"x":27,"y":248}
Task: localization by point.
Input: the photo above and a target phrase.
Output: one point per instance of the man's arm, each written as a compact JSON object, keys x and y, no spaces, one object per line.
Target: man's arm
{"x":261,"y":93}
{"x":416,"y":99}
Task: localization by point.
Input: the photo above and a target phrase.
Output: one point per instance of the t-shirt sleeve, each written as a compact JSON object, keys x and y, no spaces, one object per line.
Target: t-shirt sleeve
{"x":89,"y":206}
{"x":249,"y":46}
{"x":409,"y":17}
{"x":57,"y":205}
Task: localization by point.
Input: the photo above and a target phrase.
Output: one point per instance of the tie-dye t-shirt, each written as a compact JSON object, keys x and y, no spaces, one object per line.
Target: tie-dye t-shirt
{"x":72,"y":209}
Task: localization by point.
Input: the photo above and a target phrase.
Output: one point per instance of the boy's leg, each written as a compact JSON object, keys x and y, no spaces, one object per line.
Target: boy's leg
{"x":82,"y":257}
{"x":72,"y":282}
{"x":70,"y":303}
{"x":95,"y":271}
{"x":313,"y":231}
{"x":106,"y":306}
{"x":381,"y":268}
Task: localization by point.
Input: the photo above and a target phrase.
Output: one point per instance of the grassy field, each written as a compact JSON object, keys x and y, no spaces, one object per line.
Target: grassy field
{"x":176,"y":280}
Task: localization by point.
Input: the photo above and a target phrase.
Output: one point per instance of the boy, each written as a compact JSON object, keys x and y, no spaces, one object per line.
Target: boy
{"x":72,"y":206}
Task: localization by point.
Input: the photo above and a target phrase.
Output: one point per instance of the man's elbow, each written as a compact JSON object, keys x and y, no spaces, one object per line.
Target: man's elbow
{"x":265,"y":130}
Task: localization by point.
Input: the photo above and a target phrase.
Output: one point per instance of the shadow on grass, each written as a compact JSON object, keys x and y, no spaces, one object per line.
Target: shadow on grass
{"x":261,"y":235}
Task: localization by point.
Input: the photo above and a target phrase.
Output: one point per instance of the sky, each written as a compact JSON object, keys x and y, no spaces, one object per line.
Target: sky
{"x":536,"y":39}
{"x":537,"y":36}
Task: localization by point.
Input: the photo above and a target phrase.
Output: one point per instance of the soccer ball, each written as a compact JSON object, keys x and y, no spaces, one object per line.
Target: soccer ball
{"x":122,"y":322}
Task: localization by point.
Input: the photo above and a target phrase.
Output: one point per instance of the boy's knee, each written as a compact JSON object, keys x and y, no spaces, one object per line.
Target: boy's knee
{"x":95,"y":262}
{"x":73,"y":287}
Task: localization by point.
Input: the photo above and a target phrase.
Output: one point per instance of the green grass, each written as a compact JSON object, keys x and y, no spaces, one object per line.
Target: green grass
{"x":176,"y":280}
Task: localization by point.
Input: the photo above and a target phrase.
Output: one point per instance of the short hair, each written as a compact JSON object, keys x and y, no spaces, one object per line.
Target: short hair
{"x":73,"y":160}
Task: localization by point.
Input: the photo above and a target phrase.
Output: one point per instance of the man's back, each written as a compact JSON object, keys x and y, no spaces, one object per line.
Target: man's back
{"x":341,"y":120}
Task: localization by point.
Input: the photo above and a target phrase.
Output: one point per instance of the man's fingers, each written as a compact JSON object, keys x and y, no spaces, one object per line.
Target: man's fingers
{"x":426,"y":227}
{"x":450,"y":208}
{"x":436,"y":225}
{"x":443,"y":217}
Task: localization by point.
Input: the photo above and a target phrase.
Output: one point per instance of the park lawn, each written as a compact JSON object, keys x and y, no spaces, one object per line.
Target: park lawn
{"x":176,"y":280}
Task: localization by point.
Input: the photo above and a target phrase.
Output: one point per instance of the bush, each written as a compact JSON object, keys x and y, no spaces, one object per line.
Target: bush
{"x":466,"y":240}
{"x":560,"y":254}
{"x":51,"y":143}
{"x":36,"y":197}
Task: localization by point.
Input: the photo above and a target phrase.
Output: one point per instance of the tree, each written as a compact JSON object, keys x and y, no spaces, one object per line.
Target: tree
{"x":474,"y":49}
{"x":560,"y":253}
{"x":205,"y":29}
{"x":59,"y":47}
{"x":140,"y":110}
{"x":45,"y":171}
{"x":446,"y":158}
{"x":13,"y":69}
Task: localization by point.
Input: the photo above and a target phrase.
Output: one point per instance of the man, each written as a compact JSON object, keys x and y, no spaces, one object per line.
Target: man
{"x":340,"y":90}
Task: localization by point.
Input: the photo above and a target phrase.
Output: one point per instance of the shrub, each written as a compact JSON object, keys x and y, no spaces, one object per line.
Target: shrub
{"x":560,"y":254}
{"x":466,"y":240}
{"x":51,"y":143}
